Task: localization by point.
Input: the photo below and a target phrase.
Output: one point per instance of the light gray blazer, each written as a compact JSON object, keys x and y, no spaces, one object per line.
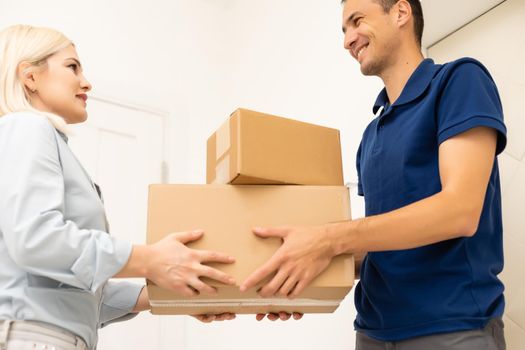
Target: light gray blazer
{"x":55,"y":253}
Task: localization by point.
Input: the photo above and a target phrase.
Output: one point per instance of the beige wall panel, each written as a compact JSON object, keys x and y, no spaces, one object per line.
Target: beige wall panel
{"x":514,"y":334}
{"x":508,"y":167}
{"x":513,"y":213}
{"x":512,"y":276}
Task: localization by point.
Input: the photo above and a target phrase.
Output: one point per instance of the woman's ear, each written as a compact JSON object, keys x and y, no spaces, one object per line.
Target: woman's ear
{"x":26,"y":74}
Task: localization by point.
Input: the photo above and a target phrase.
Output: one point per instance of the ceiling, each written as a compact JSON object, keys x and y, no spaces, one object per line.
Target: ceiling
{"x":443,"y":17}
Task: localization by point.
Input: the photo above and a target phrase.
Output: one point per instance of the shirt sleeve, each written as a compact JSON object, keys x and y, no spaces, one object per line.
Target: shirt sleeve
{"x":37,"y":236}
{"x":118,"y":300}
{"x":470,"y":99}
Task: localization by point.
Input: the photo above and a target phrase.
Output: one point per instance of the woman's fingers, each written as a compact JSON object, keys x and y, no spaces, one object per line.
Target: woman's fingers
{"x":210,"y":256}
{"x":219,"y":317}
{"x":202,"y":287}
{"x":214,"y":274}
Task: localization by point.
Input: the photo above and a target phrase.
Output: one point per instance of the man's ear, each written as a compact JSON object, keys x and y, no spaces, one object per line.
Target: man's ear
{"x":404,"y":12}
{"x":26,"y":74}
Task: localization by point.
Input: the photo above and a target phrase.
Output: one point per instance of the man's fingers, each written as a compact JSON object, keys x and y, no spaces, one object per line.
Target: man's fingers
{"x":273,"y":317}
{"x":271,"y":287}
{"x":265,"y":232}
{"x":287,"y":286}
{"x":209,"y":256}
{"x":284,"y":316}
{"x":188,"y":236}
{"x":301,"y":285}
{"x":214,"y":274}
{"x":267,"y":268}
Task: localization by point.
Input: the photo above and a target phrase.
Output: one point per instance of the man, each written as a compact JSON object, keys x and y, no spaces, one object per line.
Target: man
{"x":428,"y":171}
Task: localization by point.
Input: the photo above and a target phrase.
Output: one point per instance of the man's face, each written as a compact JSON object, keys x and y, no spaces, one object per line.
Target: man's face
{"x":370,"y":34}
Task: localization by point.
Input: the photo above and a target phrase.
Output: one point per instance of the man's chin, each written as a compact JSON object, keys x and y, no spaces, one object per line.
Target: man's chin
{"x":368,"y":69}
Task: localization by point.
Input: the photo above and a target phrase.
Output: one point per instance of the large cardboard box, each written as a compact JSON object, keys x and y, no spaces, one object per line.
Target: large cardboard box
{"x":253,"y":148}
{"x":227,"y":214}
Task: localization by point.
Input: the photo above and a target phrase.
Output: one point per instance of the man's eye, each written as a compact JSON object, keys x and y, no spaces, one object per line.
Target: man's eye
{"x":357,"y":21}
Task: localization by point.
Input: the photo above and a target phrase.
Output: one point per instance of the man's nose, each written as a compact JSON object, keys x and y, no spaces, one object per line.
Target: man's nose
{"x":350,"y":38}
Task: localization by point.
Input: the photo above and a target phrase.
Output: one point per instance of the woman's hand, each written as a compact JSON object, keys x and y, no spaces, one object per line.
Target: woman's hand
{"x":174,"y":266}
{"x":142,"y":301}
{"x":211,"y":318}
{"x":171,"y":265}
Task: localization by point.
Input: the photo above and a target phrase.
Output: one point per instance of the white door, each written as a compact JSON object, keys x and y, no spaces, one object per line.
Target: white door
{"x":122,"y":149}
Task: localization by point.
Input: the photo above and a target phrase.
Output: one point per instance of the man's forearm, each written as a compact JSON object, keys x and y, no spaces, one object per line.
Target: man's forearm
{"x":440,"y":217}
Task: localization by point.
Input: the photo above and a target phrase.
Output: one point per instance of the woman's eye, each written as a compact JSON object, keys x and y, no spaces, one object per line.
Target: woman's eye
{"x":74,"y":67}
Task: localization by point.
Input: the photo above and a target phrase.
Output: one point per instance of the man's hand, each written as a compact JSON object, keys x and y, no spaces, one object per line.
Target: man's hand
{"x":304,"y":254}
{"x":283,"y":316}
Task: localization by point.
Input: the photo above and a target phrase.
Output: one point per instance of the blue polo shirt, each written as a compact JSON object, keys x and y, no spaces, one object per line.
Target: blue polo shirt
{"x":451,"y":285}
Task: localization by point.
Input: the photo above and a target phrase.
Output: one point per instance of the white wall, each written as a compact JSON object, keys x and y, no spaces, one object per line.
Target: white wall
{"x":496,"y":40}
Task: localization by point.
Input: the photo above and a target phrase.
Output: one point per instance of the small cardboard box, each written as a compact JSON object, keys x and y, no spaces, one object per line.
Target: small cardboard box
{"x":227,"y":214}
{"x":253,"y":148}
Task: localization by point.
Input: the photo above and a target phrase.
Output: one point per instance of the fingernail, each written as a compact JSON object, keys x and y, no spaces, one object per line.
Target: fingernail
{"x":257,"y":229}
{"x":231,"y":280}
{"x":231,"y":259}
{"x":242,"y":288}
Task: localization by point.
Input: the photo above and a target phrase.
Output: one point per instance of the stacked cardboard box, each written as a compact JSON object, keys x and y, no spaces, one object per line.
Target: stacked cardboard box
{"x":247,"y":157}
{"x":253,"y":148}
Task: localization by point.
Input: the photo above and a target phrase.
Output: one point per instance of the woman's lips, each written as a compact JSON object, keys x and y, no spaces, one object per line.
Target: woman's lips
{"x":83,"y":97}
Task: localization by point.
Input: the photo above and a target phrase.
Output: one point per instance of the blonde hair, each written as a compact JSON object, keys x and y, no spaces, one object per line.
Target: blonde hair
{"x":23,"y":43}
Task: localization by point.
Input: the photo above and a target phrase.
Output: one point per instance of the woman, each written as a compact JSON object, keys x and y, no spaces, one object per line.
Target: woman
{"x":55,"y":254}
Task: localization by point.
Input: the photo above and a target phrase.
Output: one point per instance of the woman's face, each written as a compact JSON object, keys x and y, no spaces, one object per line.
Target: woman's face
{"x":61,"y":87}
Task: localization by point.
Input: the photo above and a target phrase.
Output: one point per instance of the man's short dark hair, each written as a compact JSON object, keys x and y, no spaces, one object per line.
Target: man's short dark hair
{"x":417,"y":12}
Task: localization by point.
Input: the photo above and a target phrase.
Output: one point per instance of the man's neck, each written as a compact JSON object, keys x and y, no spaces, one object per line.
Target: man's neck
{"x":396,"y":76}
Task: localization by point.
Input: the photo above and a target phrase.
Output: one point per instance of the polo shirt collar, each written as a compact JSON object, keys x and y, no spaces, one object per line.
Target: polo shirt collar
{"x":415,"y":86}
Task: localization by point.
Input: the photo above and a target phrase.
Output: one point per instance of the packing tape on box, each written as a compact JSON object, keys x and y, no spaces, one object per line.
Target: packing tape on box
{"x":222,"y":171}
{"x":242,"y":302}
{"x":222,"y":140}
